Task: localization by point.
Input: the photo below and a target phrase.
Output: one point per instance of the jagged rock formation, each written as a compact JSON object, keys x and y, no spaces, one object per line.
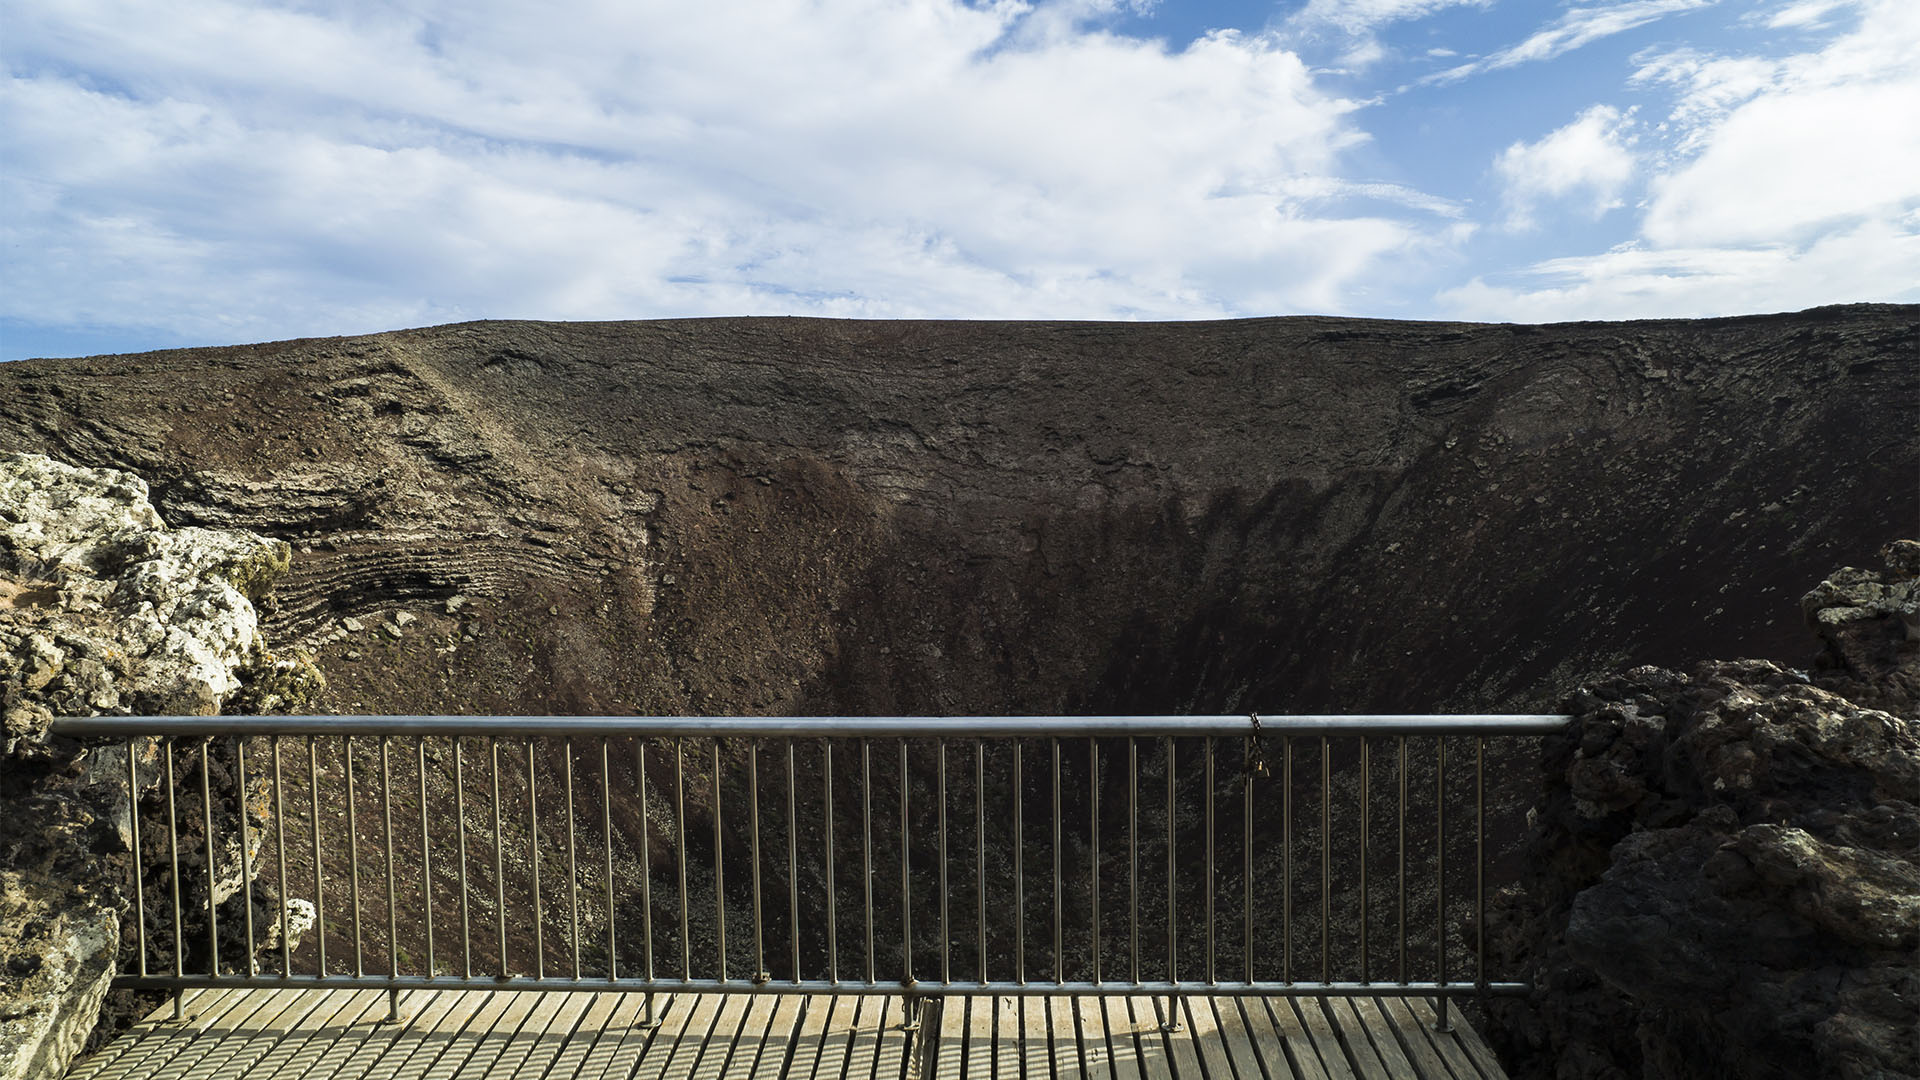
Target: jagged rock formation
{"x":103,"y":610}
{"x":817,"y":516}
{"x":1725,"y":880}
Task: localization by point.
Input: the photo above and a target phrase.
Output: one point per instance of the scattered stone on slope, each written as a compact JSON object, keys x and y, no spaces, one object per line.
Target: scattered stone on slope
{"x":1725,"y":877}
{"x":104,"y":610}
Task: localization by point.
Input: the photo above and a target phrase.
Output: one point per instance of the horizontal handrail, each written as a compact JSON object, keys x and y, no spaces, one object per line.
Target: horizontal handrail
{"x":846,"y":987}
{"x":805,"y":727}
{"x":1113,"y":847}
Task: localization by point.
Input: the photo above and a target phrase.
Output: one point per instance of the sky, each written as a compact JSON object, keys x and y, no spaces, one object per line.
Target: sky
{"x":207,"y":172}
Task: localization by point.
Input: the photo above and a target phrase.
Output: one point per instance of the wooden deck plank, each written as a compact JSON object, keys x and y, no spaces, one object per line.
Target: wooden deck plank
{"x":156,"y":1039}
{"x":1415,"y":1039}
{"x":869,"y":1032}
{"x":569,"y":1056}
{"x":359,"y":1047}
{"x":550,"y":1022}
{"x":765,"y":1036}
{"x":269,"y":1029}
{"x":1361,"y":1019}
{"x":951,"y":1050}
{"x":421,"y":1025}
{"x":816,"y":1013}
{"x":1006,"y":1038}
{"x":836,"y":1038}
{"x":1063,"y":1038}
{"x":481,"y":1031}
{"x":1096,"y":1051}
{"x":1203,"y":1028}
{"x":617,"y":1046}
{"x":1122,"y":1039}
{"x":722,"y":1036}
{"x":1448,"y":1042}
{"x":675,"y":1048}
{"x":1334,"y":1056}
{"x":1183,"y":1053}
{"x":656,"y":1052}
{"x":452,"y":1034}
{"x":308,"y":1041}
{"x":1470,"y":1041}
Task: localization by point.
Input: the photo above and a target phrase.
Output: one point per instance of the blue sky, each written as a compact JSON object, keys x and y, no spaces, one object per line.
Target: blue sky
{"x":214,"y":172}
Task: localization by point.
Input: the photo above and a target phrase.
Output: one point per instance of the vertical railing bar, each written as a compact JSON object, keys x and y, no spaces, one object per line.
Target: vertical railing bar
{"x":1401,"y":872}
{"x":173,"y":846}
{"x":426,"y":850}
{"x":753,"y":825}
{"x":206,"y":814}
{"x":606,"y":837}
{"x":1208,"y":793}
{"x":533,"y":859}
{"x":1247,"y":768}
{"x":246,"y":844}
{"x":460,"y":835}
{"x":319,"y":890}
{"x":1093,"y":858}
{"x":1133,"y":855}
{"x":833,"y":916}
{"x":646,"y":862}
{"x":1059,"y":946}
{"x":1326,"y":859}
{"x":1172,"y":1022}
{"x":719,"y":870}
{"x":866,"y":845}
{"x":946,"y":927}
{"x":1286,"y":858}
{"x":793,"y":864}
{"x":1173,"y":951}
{"x":280,"y":851}
{"x":499,"y":856}
{"x":138,"y":861}
{"x":1366,"y":842}
{"x":353,"y":854}
{"x":1480,"y":861}
{"x":1019,"y":870}
{"x":906,"y":877}
{"x":680,"y":852}
{"x":573,"y":865}
{"x":1440,"y":892}
{"x":386,"y":813}
{"x":500,"y":859}
{"x":980,"y":851}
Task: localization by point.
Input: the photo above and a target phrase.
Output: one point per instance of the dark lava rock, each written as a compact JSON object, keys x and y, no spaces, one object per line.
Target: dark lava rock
{"x":1725,"y":877}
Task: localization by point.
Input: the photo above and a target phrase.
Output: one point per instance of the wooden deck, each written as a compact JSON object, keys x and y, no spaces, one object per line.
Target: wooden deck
{"x":466,"y":1035}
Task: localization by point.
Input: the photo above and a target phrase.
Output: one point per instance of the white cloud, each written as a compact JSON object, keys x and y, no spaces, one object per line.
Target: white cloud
{"x":1588,"y":157}
{"x":1577,"y":27}
{"x":1792,"y":182}
{"x":1364,"y":16}
{"x":220,"y":168}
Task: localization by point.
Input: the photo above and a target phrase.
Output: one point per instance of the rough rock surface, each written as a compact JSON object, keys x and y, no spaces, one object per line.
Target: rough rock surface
{"x":820,"y":516}
{"x":103,"y":610}
{"x":1725,"y":879}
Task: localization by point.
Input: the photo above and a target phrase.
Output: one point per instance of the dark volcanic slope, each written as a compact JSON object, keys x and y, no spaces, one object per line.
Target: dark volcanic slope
{"x":793,"y":515}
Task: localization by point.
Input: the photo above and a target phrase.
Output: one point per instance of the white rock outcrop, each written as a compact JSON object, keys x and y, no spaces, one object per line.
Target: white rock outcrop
{"x":103,"y":610}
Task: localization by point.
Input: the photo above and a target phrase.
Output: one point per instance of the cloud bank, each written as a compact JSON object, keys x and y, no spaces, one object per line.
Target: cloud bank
{"x":369,"y":166}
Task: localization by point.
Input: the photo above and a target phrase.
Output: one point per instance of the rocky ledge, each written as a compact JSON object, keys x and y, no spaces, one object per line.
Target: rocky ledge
{"x":1723,"y":877}
{"x":103,"y":610}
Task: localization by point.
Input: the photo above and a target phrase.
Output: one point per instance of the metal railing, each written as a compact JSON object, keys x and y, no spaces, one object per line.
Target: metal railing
{"x":1013,"y":855}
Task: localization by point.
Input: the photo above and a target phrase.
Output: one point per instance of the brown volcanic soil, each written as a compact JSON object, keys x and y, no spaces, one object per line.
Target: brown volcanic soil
{"x":816,"y":516}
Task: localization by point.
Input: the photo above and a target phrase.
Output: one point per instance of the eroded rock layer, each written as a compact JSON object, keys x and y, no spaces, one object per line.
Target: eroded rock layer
{"x":816,"y":516}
